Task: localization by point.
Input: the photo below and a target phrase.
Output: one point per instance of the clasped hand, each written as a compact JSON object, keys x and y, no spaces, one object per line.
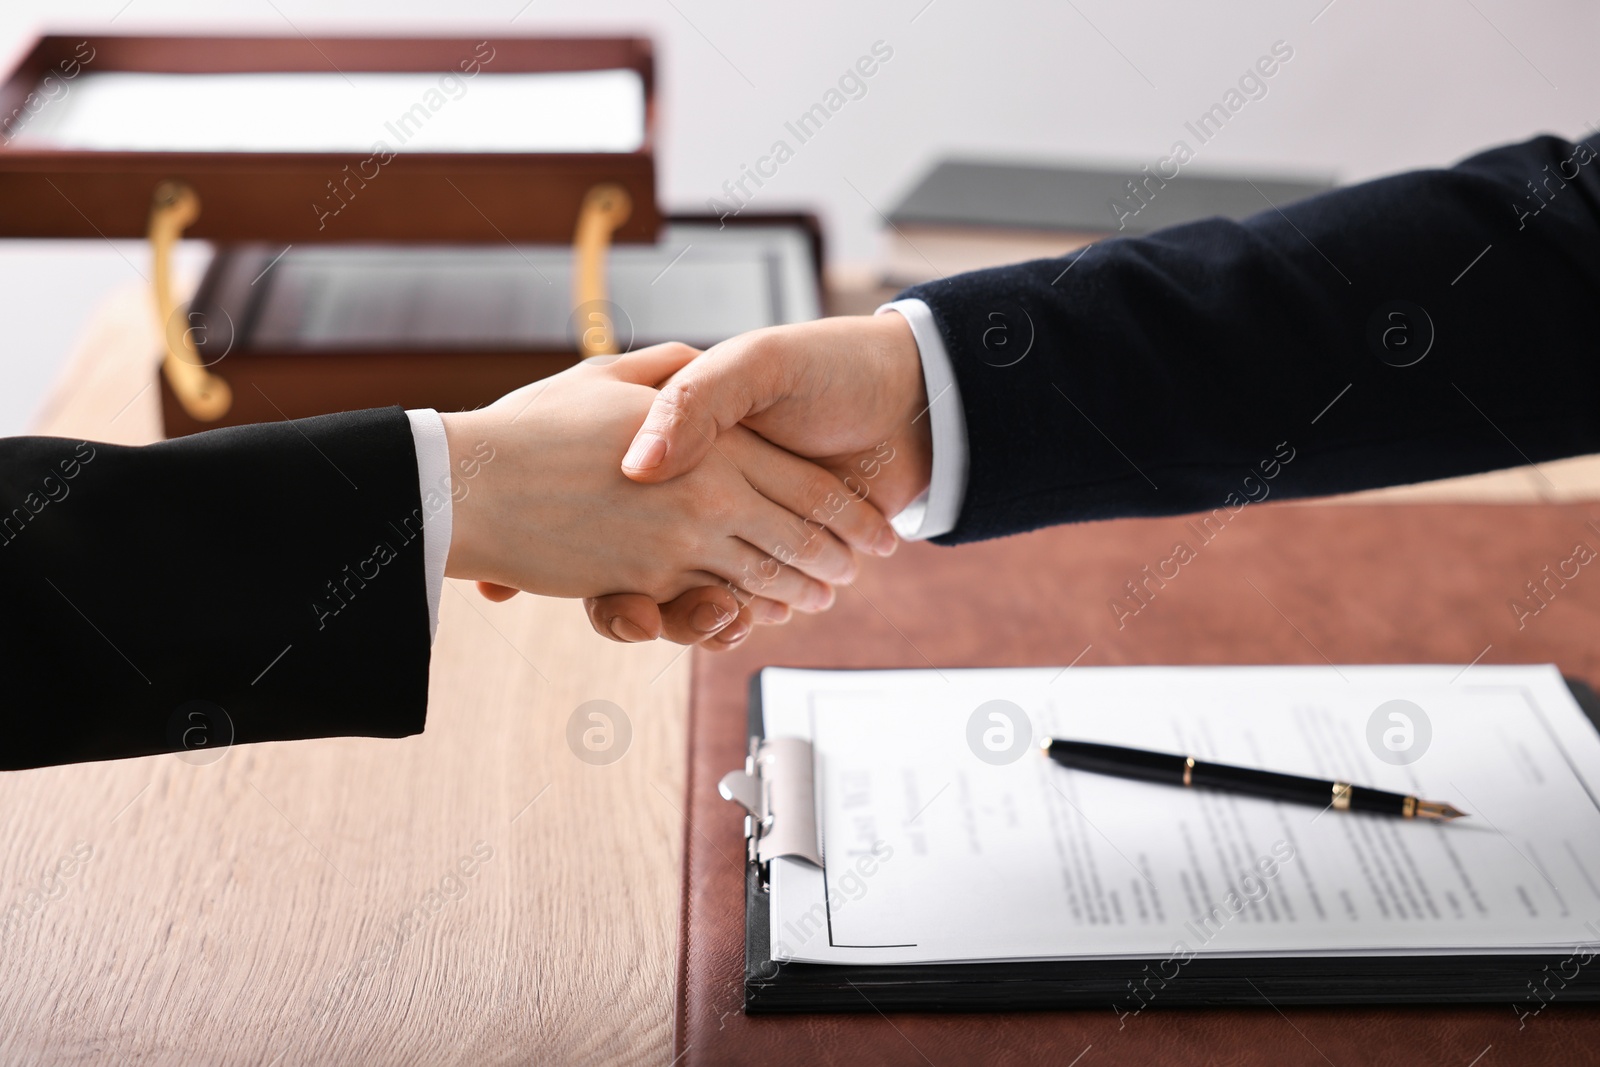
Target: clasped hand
{"x":739,"y":492}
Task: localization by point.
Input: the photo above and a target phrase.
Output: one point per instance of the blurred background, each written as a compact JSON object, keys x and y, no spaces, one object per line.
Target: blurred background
{"x":1372,"y":87}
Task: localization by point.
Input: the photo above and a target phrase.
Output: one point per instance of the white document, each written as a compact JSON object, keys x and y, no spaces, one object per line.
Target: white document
{"x":936,"y":854}
{"x":558,"y":111}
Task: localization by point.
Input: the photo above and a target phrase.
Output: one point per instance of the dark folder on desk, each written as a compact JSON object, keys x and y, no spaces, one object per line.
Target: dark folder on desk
{"x":969,"y":214}
{"x":1031,"y":600}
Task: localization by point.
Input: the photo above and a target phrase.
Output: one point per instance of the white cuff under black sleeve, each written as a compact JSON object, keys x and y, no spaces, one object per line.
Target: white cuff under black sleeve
{"x":935,"y":512}
{"x":433,"y":477}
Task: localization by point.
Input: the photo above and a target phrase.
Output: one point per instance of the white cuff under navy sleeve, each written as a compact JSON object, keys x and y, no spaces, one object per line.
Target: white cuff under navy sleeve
{"x":935,"y":512}
{"x":433,"y":488}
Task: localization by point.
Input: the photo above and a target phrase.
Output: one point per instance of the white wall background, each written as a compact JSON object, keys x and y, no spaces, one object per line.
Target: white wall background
{"x":1374,"y":86}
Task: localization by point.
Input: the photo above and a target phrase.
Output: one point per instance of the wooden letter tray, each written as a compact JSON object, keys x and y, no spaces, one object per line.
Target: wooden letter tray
{"x":273,"y":144}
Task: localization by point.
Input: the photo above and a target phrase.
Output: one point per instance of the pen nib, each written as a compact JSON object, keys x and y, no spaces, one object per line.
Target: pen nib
{"x":1433,"y":809}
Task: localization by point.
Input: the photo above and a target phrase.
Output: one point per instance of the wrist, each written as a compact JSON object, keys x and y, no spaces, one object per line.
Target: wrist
{"x":907,"y":385}
{"x":470,"y":450}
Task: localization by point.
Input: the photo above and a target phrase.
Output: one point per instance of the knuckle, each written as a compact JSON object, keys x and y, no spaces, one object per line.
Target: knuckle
{"x":680,"y":350}
{"x":680,"y":398}
{"x":820,"y":558}
{"x":662,"y":588}
{"x":802,"y":552}
{"x":846,"y":566}
{"x":820,"y":485}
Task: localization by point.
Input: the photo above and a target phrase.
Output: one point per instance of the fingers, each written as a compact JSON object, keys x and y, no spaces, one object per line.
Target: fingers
{"x":625,"y":617}
{"x":710,"y":616}
{"x":816,"y":496}
{"x":806,"y":547}
{"x":758,"y":610}
{"x":758,"y":574}
{"x":654,"y":365}
{"x":764,"y":612}
{"x":730,"y":637}
{"x":724,"y":386}
{"x":495,"y":592}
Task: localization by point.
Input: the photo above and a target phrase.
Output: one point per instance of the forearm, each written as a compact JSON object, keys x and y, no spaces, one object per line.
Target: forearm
{"x":1164,"y":371}
{"x":273,"y":572}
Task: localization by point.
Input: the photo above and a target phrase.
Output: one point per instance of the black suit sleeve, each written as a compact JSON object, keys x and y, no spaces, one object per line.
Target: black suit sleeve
{"x":1416,"y":327}
{"x":256,"y":583}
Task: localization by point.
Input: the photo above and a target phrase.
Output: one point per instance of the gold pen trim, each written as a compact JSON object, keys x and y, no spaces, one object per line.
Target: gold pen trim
{"x":1408,"y":807}
{"x":1188,"y":770}
{"x":1341,"y":796}
{"x":1436,"y":809}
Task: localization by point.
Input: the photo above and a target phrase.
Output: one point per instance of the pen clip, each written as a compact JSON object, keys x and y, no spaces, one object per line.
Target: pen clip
{"x":775,"y":789}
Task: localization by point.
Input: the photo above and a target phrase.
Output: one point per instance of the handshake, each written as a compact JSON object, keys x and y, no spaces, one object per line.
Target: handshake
{"x":693,"y":495}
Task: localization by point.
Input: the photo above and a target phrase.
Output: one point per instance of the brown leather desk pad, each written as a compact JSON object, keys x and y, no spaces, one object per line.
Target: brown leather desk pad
{"x":1278,"y":584}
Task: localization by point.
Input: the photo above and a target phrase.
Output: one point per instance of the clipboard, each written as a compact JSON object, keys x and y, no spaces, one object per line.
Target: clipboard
{"x":777,"y":779}
{"x":985,"y":605}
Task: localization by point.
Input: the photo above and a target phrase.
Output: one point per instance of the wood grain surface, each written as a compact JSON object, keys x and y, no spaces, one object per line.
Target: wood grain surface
{"x":305,"y":902}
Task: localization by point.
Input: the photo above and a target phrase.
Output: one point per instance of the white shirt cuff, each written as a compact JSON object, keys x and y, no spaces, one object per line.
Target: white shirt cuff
{"x":935,"y":512}
{"x":433,"y":489}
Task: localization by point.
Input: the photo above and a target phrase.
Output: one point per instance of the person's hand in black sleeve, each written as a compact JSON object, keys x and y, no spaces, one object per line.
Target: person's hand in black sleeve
{"x":1416,"y":327}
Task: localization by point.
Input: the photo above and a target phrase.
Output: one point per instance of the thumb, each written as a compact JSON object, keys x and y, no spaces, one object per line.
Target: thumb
{"x":713,"y":393}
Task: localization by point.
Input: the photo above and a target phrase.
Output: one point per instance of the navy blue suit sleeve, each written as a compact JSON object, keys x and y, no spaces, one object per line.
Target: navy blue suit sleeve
{"x":255,"y":583}
{"x":1419,"y":326}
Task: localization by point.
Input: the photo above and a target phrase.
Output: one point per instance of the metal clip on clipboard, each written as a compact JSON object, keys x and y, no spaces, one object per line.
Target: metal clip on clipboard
{"x":775,"y":790}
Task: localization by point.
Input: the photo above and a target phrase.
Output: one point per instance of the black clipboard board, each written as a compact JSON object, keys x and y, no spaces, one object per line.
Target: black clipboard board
{"x":1133,"y":985}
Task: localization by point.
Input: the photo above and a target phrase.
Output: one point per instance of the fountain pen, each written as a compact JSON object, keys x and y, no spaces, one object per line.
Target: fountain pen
{"x":1192,"y":773}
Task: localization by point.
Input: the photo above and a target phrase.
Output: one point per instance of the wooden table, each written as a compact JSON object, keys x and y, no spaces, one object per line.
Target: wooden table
{"x":302,"y":902}
{"x":273,"y":907}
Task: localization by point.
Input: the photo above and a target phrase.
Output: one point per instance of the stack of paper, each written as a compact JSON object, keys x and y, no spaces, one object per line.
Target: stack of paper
{"x":947,"y":836}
